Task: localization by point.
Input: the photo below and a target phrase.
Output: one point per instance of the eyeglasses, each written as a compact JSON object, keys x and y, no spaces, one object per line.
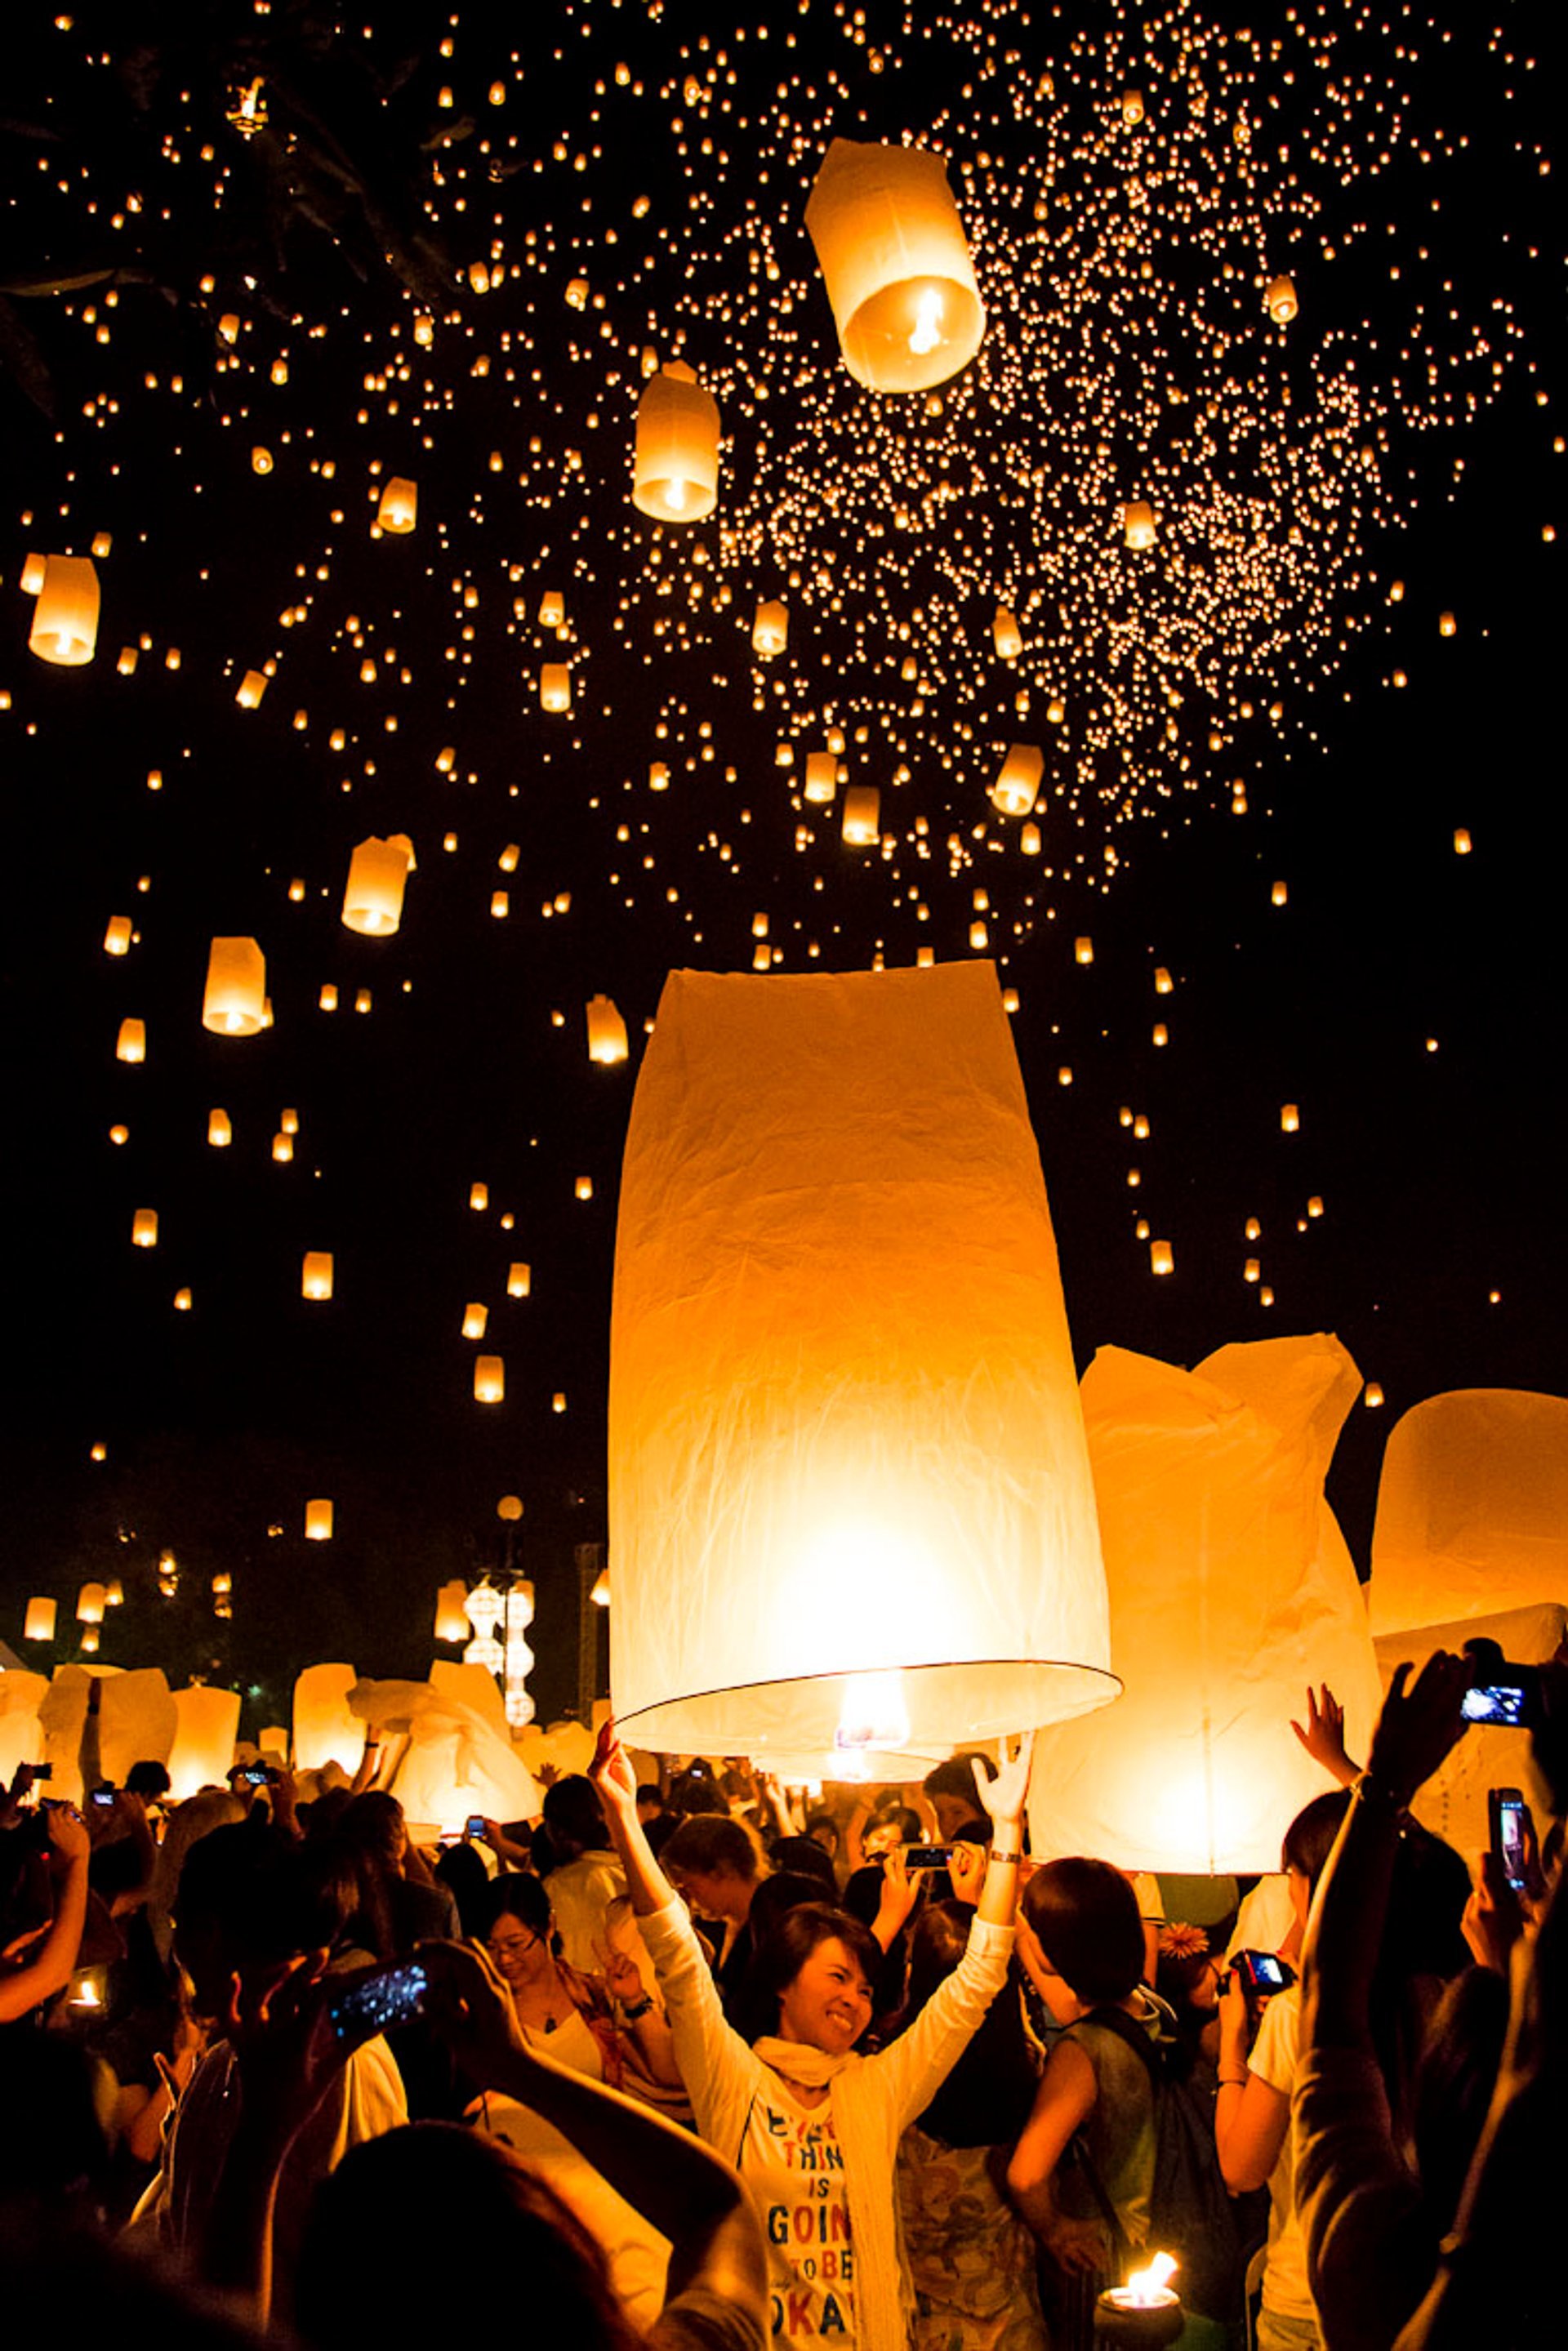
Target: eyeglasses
{"x":511,"y":1947}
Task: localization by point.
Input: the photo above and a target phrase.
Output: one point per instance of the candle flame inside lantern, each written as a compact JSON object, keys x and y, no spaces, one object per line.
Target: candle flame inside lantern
{"x":1147,"y":2287}
{"x":875,"y":1713}
{"x":927,"y":333}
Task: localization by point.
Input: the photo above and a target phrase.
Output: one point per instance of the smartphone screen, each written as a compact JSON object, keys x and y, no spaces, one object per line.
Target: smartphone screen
{"x":1510,"y":1842}
{"x":392,"y":1996}
{"x":476,"y":1825}
{"x":1500,"y":1704}
{"x":927,"y":1856}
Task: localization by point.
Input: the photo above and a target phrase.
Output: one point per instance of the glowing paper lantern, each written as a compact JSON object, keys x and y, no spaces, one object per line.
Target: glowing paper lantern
{"x":844,"y":1431}
{"x":519,"y":1279}
{"x":1472,"y":1509}
{"x":475,"y":1318}
{"x":220,"y":1129}
{"x":316,"y":1274}
{"x":896,"y":266}
{"x":319,"y":1520}
{"x":206,"y":1726}
{"x":22,"y":1694}
{"x":770,"y":629}
{"x":42,"y":1616}
{"x":489,"y":1378}
{"x":822,"y":778}
{"x":1232,"y":1589}
{"x":606,"y":1031}
{"x":234,"y":1004}
{"x":863,"y":815}
{"x":136,"y":1721}
{"x":1006,"y":635}
{"x":89,"y":1604}
{"x":65,"y":617}
{"x":378,"y":873}
{"x":555,"y":685}
{"x":398,"y":510}
{"x":1016,"y":786}
{"x":117,"y":938}
{"x":144,"y":1228}
{"x":552,"y":608}
{"x":1138,"y":526}
{"x":675,"y":470}
{"x":1279,"y":301}
{"x":252,"y":686}
{"x":326,"y":1729}
{"x":451,"y":1614}
{"x":130,"y":1044}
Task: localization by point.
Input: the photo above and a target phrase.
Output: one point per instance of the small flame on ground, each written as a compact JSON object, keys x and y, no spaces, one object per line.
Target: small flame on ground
{"x":1148,"y":2285}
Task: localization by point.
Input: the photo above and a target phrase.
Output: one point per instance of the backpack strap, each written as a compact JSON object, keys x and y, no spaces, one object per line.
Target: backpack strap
{"x":1117,"y":2021}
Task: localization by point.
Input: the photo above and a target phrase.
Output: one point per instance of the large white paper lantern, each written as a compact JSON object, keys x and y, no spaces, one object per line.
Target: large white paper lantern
{"x":137,"y":1721}
{"x":208,"y":1724}
{"x":1472,"y":1508}
{"x":21,"y":1733}
{"x":455,"y":1760}
{"x":326,"y":1728}
{"x":845,"y":1439}
{"x":896,"y":266}
{"x":1231,"y":1590}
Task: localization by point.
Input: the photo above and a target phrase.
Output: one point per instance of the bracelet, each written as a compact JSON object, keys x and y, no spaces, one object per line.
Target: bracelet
{"x":638,"y":2010}
{"x":1232,"y":2081}
{"x":997,"y":1854}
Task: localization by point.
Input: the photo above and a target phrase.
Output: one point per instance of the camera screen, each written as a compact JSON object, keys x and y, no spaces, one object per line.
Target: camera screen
{"x":392,"y":1996}
{"x":1495,"y":1702}
{"x":1512,"y":1827}
{"x":1266,"y":1968}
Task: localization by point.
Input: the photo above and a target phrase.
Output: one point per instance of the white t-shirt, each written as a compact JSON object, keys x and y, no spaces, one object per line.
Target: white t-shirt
{"x":1274,"y":2059}
{"x":794,"y":2168}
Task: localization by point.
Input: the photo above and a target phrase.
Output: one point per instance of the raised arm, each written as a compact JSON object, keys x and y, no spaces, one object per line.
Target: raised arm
{"x":612,"y":1774}
{"x":50,"y":1968}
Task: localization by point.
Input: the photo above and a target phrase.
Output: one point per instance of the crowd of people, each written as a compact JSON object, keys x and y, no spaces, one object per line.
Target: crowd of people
{"x":696,"y":2065}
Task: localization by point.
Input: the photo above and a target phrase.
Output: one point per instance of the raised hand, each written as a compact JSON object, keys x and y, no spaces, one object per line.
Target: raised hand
{"x":1322,"y":1734}
{"x":612,"y":1774}
{"x":1419,"y":1724}
{"x":1004,"y":1796}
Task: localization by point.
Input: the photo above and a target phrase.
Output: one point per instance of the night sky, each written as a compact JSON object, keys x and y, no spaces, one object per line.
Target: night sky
{"x":1247,"y":704}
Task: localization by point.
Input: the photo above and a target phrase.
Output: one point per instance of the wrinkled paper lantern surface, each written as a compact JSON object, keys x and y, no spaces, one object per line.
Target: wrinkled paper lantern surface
{"x":1472,"y":1508}
{"x":21,"y":1733}
{"x":326,"y":1729}
{"x":208,"y":1724}
{"x":137,"y":1722}
{"x":896,"y":266}
{"x":844,"y":1431}
{"x":1232,"y":1589}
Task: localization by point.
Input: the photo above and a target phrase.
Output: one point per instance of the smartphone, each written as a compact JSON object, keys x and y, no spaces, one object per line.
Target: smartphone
{"x":103,"y":1797}
{"x":476,"y":1827}
{"x":259,"y":1775}
{"x":376,"y":2002}
{"x":1509,"y":1813}
{"x":41,"y":1770}
{"x":1262,"y":1974}
{"x":927,"y":1856}
{"x":1502,"y":1695}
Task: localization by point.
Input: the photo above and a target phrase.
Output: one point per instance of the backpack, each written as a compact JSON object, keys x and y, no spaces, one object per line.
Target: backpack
{"x":1191,"y":2211}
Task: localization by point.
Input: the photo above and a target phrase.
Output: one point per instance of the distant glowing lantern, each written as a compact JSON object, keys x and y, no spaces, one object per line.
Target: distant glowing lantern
{"x":131,"y":1045}
{"x":896,"y":266}
{"x":1131,"y":108}
{"x":770,"y":629}
{"x":89,"y":1604}
{"x":555,"y":685}
{"x":475,"y":1318}
{"x":675,"y":469}
{"x":552,"y":608}
{"x":65,"y":617}
{"x":252,"y":686}
{"x":1083,"y":950}
{"x":117,"y":939}
{"x":863,"y":815}
{"x":1279,"y":301}
{"x":42,"y":1618}
{"x":182,"y":1301}
{"x":220,"y":1129}
{"x":1162,"y":1257}
{"x":1232,"y":1589}
{"x":1030,"y":841}
{"x":202,"y":1752}
{"x":606,"y":1031}
{"x":1290,"y":1119}
{"x":114,"y":1594}
{"x":1005,"y":635}
{"x":1462,"y":843}
{"x":316,"y":1274}
{"x":261,"y":460}
{"x":234,"y":1004}
{"x":398,"y":510}
{"x":33,"y":568}
{"x":451,"y":1614}
{"x":378,"y":873}
{"x":1138,"y":525}
{"x":822,"y":778}
{"x":1472,"y":1509}
{"x":518,"y":1281}
{"x":1017,"y":786}
{"x":89,"y":1640}
{"x":282,"y":1148}
{"x":583,"y":1187}
{"x":792,"y":1510}
{"x":319,"y":1520}
{"x":144,"y":1228}
{"x":489,"y":1379}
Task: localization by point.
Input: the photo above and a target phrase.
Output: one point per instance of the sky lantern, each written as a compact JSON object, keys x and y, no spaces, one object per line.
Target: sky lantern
{"x":822,"y":778}
{"x":220,"y":1129}
{"x":606,"y":1031}
{"x":1472,"y":1509}
{"x":863,"y":815}
{"x":234,"y":1004}
{"x":130,"y":1044}
{"x":450,"y":1611}
{"x":90,"y":1604}
{"x":378,"y":873}
{"x":896,"y":266}
{"x":849,"y":1505}
{"x":770,"y":629}
{"x":398,"y":509}
{"x":555,"y":685}
{"x":675,"y":469}
{"x":1279,"y":301}
{"x":476,"y":1316}
{"x":316,"y":1274}
{"x":552,"y":608}
{"x":1017,"y":786}
{"x":41,"y":1619}
{"x":319,"y":1520}
{"x":144,"y":1228}
{"x":206,"y":1727}
{"x":65,"y":617}
{"x":33,"y":568}
{"x":519,"y":1280}
{"x":326,"y":1729}
{"x":489,"y":1379}
{"x":1006,"y":635}
{"x":117,"y":938}
{"x":252,"y":686}
{"x":1232,"y":1589}
{"x":1139,"y":529}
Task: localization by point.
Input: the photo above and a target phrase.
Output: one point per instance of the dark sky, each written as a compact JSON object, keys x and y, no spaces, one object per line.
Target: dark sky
{"x":1408,"y":998}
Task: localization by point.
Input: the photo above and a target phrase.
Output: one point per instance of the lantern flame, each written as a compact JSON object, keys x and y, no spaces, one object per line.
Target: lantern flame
{"x":928,"y":332}
{"x":875,"y":1713}
{"x":1145,"y":2287}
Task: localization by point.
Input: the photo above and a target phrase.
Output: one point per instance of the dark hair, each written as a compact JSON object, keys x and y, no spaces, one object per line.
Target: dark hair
{"x":574,"y":1815}
{"x":815,"y":1821}
{"x":899,"y":1817}
{"x":461,"y":1871}
{"x":650,"y":1793}
{"x":1423,"y":1948}
{"x":696,"y":1792}
{"x":707,"y":1843}
{"x":519,"y":1896}
{"x":1085,"y":1917}
{"x":802,"y":1930}
{"x":937,"y":1940}
{"x":441,"y":2184}
{"x":148,"y":1778}
{"x":1310,"y":1839}
{"x":956,"y":1777}
{"x":1455,"y":2078}
{"x":804,"y":1857}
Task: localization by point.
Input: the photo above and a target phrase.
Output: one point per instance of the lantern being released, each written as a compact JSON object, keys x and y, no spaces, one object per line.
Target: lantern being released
{"x":1017,"y":786}
{"x":606,"y":1031}
{"x":896,"y":266}
{"x":675,"y":471}
{"x":1232,"y":1589}
{"x":850,"y":1498}
{"x":1472,"y":1509}
{"x":234,"y":1004}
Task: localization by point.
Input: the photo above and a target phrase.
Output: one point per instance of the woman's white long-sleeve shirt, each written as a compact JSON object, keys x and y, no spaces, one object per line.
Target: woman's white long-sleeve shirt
{"x":870,"y":2100}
